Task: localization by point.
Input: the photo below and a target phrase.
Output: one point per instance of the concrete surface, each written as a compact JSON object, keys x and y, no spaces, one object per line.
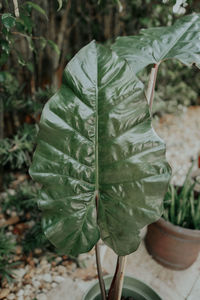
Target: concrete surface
{"x":169,"y":284}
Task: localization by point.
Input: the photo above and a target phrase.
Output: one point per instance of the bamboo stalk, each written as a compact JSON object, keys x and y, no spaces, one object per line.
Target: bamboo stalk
{"x":16,"y":8}
{"x":1,"y":138}
{"x":1,"y":119}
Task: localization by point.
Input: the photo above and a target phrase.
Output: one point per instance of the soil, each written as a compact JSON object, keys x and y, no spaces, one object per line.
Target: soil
{"x":127,"y":298}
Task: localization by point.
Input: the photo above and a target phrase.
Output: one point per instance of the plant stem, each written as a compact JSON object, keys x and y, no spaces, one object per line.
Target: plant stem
{"x":99,"y":271}
{"x":151,"y":85}
{"x":117,"y":282}
{"x":98,"y":262}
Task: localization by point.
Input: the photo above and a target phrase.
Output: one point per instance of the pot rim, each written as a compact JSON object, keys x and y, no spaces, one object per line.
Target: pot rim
{"x":126,"y":277}
{"x":189,"y":234}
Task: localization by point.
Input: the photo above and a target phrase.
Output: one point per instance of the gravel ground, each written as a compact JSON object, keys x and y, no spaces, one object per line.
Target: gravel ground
{"x":181,"y":134}
{"x":32,"y":281}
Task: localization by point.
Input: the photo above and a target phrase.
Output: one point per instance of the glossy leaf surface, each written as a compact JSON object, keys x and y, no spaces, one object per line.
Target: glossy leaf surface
{"x":96,"y":139}
{"x":180,"y":41}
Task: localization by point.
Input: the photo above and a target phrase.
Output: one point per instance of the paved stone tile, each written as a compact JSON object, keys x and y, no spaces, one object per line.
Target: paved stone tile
{"x":169,"y":284}
{"x":195,"y":291}
{"x":69,"y":290}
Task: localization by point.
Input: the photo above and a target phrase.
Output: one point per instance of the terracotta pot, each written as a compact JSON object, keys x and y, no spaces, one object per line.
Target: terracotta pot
{"x":172,"y":246}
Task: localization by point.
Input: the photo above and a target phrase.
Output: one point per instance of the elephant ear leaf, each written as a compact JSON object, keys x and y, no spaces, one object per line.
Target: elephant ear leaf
{"x":96,"y":142}
{"x":180,"y":41}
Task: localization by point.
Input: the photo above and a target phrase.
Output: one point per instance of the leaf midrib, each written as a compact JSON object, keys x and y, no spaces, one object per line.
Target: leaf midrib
{"x":96,"y":131}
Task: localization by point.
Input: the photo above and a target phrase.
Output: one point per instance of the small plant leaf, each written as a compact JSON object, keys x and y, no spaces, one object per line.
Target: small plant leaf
{"x":180,"y":41}
{"x":96,"y":138}
{"x":5,"y":46}
{"x":60,"y":3}
{"x":54,"y":46}
{"x":119,"y":5}
{"x":43,"y":43}
{"x":37,"y":7}
{"x":26,"y":22}
{"x":8,"y":20}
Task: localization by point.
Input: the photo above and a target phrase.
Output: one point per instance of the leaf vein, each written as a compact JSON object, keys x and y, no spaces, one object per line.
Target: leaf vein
{"x":73,"y":129}
{"x":70,"y":157}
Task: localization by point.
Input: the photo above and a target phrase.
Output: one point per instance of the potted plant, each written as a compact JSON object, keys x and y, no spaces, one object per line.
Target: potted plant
{"x":102,"y":167}
{"x":101,"y":164}
{"x":174,"y":240}
{"x":155,"y":45}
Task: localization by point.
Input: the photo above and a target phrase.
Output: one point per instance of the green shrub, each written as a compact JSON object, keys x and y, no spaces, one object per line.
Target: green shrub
{"x":177,"y":87}
{"x":23,"y":199}
{"x":15,"y":152}
{"x":35,"y":238}
{"x":182,"y":204}
{"x":6,"y":251}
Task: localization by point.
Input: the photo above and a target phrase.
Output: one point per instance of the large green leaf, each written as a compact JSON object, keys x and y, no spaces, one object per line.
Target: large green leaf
{"x":180,"y":41}
{"x":96,"y":138}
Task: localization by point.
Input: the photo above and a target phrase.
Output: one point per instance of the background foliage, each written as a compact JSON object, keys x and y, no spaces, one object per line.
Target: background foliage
{"x":37,"y":42}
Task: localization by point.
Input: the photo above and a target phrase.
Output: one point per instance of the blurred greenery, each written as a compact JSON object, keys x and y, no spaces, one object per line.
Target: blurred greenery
{"x":22,"y":199}
{"x":182,"y":204}
{"x":33,"y":55}
{"x":15,"y":152}
{"x":7,"y":249}
{"x":23,"y":202}
{"x":174,"y":90}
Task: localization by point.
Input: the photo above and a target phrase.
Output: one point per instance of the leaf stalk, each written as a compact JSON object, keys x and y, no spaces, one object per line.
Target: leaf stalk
{"x":118,"y":279}
{"x":99,"y":271}
{"x":98,"y":262}
{"x":151,"y":85}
